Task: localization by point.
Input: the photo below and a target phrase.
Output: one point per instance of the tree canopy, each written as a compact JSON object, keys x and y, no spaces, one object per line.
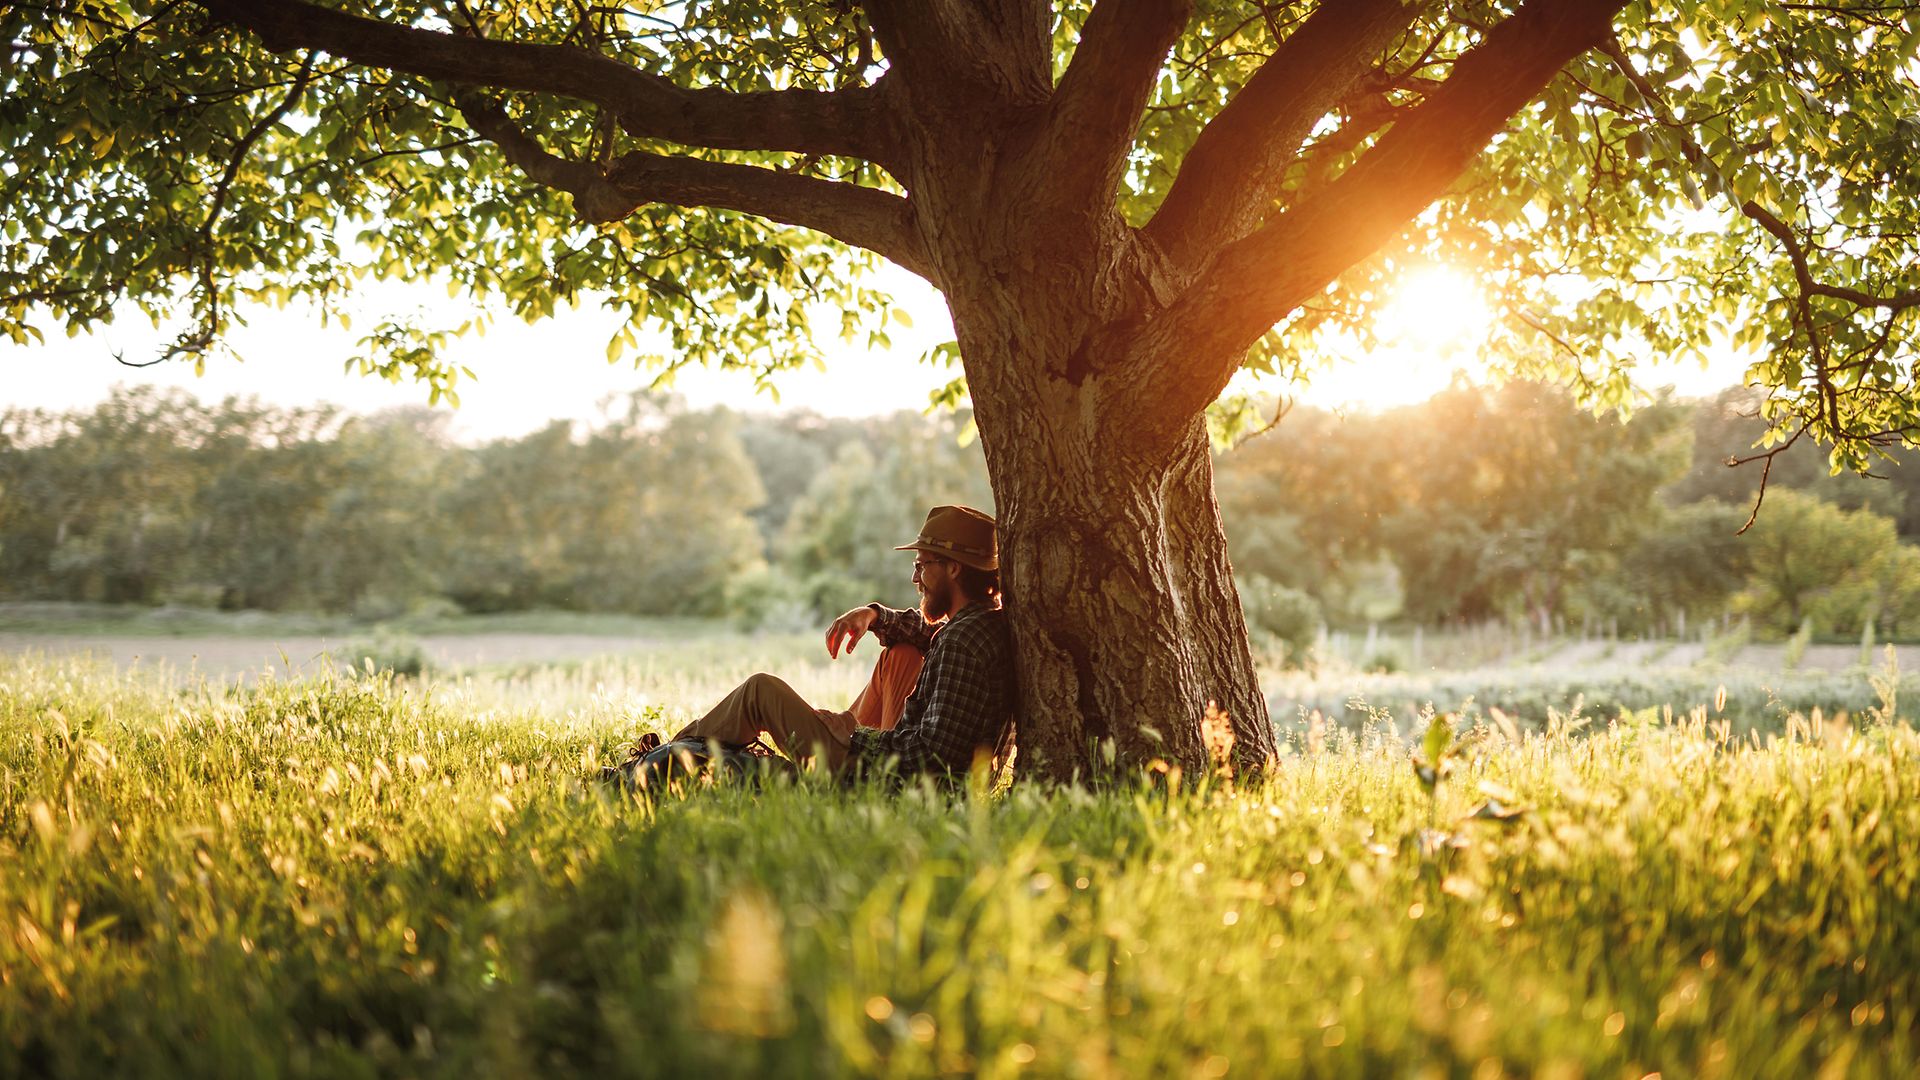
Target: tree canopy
{"x":1715,"y":170}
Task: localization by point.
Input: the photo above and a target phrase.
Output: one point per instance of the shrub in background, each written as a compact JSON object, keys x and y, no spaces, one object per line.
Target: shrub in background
{"x":771,"y":598}
{"x":384,"y":649}
{"x":1282,"y":616}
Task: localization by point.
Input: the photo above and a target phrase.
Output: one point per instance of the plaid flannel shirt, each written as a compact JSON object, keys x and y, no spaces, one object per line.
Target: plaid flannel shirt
{"x":963,"y":700}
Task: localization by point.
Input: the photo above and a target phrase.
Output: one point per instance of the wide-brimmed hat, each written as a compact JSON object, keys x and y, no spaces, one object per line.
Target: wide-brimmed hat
{"x":960,"y":533}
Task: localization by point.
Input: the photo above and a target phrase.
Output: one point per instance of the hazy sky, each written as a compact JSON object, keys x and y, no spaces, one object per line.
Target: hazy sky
{"x":528,"y":375}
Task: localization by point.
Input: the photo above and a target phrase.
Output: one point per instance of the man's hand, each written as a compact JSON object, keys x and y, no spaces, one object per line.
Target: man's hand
{"x":847,"y":630}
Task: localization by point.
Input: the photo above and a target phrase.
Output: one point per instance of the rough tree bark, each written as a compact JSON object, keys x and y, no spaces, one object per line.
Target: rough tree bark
{"x":1091,"y":347}
{"x":1114,"y":561}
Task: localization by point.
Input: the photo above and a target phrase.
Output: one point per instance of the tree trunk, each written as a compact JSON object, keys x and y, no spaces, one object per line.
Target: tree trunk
{"x":1121,"y":600}
{"x":1124,"y":615}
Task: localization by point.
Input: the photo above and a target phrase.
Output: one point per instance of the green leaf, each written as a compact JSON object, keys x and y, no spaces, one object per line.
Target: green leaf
{"x":1439,"y":736}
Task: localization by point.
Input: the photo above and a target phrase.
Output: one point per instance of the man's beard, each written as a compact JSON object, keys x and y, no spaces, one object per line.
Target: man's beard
{"x":934,"y":607}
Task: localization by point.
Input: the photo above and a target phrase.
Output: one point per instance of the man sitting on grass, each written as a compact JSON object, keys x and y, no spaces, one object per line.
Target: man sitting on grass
{"x":940,"y":696}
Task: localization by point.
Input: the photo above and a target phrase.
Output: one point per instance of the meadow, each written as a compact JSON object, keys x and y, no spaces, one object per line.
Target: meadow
{"x":364,"y":875}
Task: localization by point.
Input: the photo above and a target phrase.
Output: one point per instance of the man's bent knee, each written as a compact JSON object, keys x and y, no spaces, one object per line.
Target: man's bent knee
{"x":894,"y":656}
{"x":763,"y":684}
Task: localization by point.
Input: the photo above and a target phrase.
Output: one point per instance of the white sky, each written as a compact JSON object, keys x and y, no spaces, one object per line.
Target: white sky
{"x":525,"y":374}
{"x":528,"y":375}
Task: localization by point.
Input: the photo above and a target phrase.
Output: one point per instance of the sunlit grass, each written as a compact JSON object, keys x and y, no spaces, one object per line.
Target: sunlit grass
{"x":353,"y":876}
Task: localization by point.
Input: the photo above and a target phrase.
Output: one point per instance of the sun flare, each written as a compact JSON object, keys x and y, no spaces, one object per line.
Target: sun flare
{"x":1429,"y":327}
{"x":1434,"y":308}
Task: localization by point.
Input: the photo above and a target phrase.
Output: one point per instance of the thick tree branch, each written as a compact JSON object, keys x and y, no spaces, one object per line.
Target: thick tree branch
{"x":1234,"y":171}
{"x":1097,"y":106}
{"x":843,"y":122}
{"x":963,"y":55}
{"x":1259,"y":280}
{"x":859,"y":216}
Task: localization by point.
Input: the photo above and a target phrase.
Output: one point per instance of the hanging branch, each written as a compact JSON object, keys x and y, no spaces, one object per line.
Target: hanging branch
{"x":207,"y":332}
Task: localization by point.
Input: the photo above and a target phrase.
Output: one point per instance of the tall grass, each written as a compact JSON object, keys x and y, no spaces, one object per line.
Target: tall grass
{"x":353,"y":876}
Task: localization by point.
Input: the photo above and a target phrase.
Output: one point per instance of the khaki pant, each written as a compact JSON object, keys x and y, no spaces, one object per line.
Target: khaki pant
{"x":766,"y":704}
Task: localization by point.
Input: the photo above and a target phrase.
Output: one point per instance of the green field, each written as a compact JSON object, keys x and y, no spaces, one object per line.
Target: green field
{"x":363,"y":876}
{"x":139,"y":620}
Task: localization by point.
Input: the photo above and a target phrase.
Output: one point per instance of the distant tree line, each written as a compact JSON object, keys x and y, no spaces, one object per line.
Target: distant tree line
{"x":1514,"y":504}
{"x":1478,"y":504}
{"x":153,"y":497}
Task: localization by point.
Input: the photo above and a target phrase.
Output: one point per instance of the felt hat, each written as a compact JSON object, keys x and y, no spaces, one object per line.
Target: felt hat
{"x":960,"y":533}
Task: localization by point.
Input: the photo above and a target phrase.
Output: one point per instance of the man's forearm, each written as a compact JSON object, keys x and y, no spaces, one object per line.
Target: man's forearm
{"x":901,"y":626}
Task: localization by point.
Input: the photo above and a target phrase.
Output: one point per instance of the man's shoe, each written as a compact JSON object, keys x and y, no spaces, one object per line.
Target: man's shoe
{"x":623,"y":772}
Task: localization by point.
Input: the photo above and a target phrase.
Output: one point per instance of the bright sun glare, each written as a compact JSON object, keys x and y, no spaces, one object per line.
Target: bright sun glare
{"x":1433,"y":308}
{"x":1430,"y":326}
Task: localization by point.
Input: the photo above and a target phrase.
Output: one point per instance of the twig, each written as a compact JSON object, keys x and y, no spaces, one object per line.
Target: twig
{"x":1765,"y":471}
